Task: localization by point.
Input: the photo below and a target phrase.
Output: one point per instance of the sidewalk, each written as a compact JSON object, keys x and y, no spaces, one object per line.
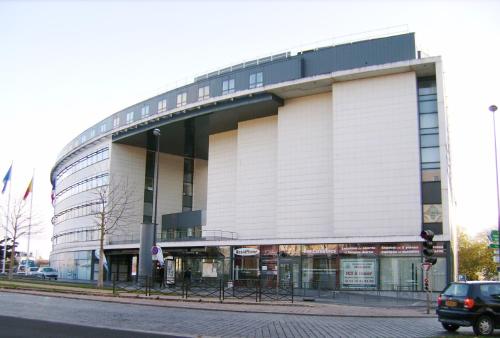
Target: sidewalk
{"x":299,"y":307}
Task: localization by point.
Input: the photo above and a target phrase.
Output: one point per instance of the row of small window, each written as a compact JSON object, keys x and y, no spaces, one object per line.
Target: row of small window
{"x":256,"y":80}
{"x":76,"y":236}
{"x":228,"y":87}
{"x":87,"y":184}
{"x":78,"y":211}
{"x":129,"y":118}
{"x":84,"y":162}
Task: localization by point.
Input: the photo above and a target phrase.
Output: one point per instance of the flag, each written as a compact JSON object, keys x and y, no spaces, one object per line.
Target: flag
{"x":104,"y":261}
{"x":6,"y":179}
{"x":28,"y":190}
{"x":53,"y":193}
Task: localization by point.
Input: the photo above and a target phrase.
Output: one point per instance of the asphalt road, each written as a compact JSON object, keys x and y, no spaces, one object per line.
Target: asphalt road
{"x":61,"y":317}
{"x":13,"y":327}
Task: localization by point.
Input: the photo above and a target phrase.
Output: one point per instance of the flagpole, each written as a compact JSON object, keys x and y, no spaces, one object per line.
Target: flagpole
{"x":7,"y":224}
{"x":29,"y":226}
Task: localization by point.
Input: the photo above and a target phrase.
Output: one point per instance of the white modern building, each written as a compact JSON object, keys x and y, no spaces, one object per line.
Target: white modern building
{"x":324,"y":166}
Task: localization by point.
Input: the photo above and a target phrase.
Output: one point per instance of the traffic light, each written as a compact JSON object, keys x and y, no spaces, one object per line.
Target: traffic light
{"x":428,"y":246}
{"x":426,"y":284}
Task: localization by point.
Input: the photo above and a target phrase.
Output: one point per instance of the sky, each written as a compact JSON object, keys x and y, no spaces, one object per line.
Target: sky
{"x":65,"y":66}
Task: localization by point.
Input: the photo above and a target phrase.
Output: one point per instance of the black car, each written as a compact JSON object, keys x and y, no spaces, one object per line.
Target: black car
{"x":475,"y":304}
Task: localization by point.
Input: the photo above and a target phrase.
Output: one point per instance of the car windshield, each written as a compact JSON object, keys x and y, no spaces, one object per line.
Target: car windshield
{"x":48,"y":270}
{"x":457,"y":290}
{"x":33,"y":269}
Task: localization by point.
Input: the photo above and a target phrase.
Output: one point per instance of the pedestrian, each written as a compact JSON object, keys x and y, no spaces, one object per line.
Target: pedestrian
{"x":187,"y":278}
{"x":187,"y":274}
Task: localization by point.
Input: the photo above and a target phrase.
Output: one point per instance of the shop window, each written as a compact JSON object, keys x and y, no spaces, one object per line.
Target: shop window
{"x":400,"y":273}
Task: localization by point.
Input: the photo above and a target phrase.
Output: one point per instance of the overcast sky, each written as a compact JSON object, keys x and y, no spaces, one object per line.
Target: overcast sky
{"x":66,"y":65}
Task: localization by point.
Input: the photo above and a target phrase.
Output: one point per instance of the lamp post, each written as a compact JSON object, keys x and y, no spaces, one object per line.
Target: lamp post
{"x":493,"y":109}
{"x":156,"y":133}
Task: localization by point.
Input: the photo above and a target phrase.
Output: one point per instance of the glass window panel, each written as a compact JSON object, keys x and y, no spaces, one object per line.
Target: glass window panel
{"x":427,"y":97}
{"x":429,"y":131}
{"x":431,"y":192}
{"x":259,"y":77}
{"x":426,"y":87}
{"x":431,"y":175}
{"x":433,"y":213}
{"x":430,"y":154}
{"x":427,"y":107}
{"x":428,"y":120}
{"x":429,"y":140}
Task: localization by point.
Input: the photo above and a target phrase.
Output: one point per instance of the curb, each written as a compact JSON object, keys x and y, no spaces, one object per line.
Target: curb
{"x":189,"y":304}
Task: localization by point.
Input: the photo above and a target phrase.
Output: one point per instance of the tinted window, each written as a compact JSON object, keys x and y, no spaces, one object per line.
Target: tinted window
{"x":457,"y":290}
{"x":490,"y":289}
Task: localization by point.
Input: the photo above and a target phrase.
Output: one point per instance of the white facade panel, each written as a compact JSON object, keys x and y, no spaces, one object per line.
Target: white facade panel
{"x":128,"y":166}
{"x":170,"y":184}
{"x":221,"y":182}
{"x":256,"y":178}
{"x":376,"y":170}
{"x":304,"y":177}
{"x":200,"y":184}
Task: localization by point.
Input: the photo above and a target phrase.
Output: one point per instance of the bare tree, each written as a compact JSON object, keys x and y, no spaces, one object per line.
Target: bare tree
{"x":113,"y":209}
{"x":19,"y":225}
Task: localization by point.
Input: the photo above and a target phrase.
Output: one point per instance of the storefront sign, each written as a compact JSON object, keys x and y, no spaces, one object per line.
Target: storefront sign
{"x":358,"y":273}
{"x":358,"y":250}
{"x":246,"y":252}
{"x":400,"y":249}
{"x":323,"y":251}
{"x":320,"y":249}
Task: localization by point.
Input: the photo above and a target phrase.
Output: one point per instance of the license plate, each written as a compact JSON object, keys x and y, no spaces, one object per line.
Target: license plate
{"x":451,"y":303}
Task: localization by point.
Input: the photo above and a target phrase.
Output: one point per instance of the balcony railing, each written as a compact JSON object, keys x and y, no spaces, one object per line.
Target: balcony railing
{"x":177,"y":236}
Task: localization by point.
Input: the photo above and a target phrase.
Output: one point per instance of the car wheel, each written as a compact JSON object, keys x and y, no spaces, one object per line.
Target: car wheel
{"x":450,"y":327}
{"x":483,"y":326}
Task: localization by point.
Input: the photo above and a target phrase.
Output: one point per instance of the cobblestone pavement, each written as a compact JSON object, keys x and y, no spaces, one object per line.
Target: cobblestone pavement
{"x":202,"y":322}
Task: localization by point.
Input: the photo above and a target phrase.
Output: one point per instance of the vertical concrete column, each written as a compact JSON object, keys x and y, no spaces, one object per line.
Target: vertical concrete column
{"x":145,"y":259}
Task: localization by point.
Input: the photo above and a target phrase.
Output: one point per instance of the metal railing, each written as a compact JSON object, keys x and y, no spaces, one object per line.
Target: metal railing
{"x":254,"y":289}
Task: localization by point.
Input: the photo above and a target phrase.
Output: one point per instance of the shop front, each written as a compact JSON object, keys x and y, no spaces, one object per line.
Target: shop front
{"x":379,"y":266}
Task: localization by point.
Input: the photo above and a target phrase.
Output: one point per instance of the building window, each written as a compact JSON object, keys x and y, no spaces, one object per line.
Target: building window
{"x":256,"y":80}
{"x":130,"y":117}
{"x":162,"y":106}
{"x":187,"y":193}
{"x":181,"y":99}
{"x":84,"y":138}
{"x":227,"y":86}
{"x":145,"y":111}
{"x":103,"y":128}
{"x":203,"y":93}
{"x":116,"y":122}
{"x":92,"y":133}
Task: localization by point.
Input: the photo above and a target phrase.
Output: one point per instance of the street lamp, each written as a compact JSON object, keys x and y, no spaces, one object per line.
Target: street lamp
{"x":493,"y":109}
{"x":156,"y":133}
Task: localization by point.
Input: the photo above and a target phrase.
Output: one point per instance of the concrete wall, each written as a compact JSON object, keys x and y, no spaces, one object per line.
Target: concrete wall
{"x":256,"y":178}
{"x":338,"y":164}
{"x":128,"y":166}
{"x":170,"y":184}
{"x":221,"y":182}
{"x":200,"y":184}
{"x":376,"y":174}
{"x":304,"y":203}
